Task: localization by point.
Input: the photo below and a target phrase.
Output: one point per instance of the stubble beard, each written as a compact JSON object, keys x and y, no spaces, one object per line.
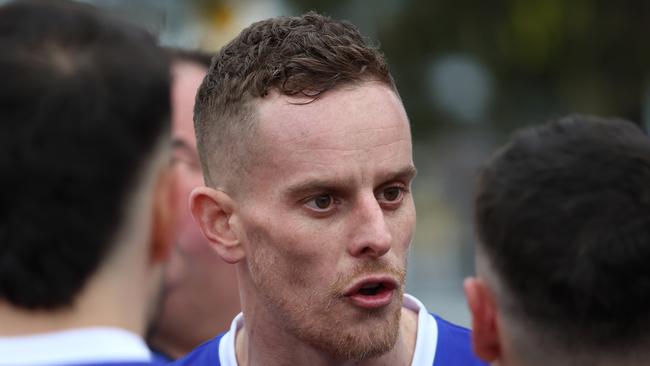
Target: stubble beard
{"x":345,"y":341}
{"x":368,"y":334}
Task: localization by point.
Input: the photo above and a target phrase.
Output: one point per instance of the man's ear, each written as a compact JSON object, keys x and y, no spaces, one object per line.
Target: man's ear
{"x":213,"y":211}
{"x":165,"y":224}
{"x":485,"y":330}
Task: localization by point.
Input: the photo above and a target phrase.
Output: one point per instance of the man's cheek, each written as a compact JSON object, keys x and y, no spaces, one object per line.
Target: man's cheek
{"x":302,"y":269}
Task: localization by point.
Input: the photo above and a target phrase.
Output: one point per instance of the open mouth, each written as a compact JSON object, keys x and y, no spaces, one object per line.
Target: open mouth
{"x":371,"y":289}
{"x":371,"y":293}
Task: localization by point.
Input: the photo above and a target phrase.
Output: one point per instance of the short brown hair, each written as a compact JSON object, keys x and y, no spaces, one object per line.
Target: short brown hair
{"x":296,"y":56}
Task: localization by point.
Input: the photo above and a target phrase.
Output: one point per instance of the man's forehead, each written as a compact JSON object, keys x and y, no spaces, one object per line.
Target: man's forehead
{"x":357,"y":109}
{"x":350,"y":135}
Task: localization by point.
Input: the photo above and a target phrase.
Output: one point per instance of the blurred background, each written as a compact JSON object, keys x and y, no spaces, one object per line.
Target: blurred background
{"x":469,"y":72}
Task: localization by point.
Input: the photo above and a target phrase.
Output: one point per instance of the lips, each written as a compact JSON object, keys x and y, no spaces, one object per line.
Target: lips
{"x":372,"y":292}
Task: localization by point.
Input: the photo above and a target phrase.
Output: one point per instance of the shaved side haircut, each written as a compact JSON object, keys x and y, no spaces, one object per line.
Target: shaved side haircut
{"x":295,"y":56}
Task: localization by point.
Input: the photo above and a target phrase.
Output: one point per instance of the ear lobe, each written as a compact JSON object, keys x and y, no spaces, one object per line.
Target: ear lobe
{"x":213,"y":211}
{"x":165,"y":224}
{"x":485,"y":332}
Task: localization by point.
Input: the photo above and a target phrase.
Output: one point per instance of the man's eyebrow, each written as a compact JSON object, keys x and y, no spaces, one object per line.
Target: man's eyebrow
{"x":339,"y":185}
{"x":317,"y":185}
{"x":407,"y":173}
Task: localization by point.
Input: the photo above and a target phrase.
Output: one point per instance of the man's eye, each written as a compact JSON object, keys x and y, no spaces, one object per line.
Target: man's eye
{"x":321,"y":202}
{"x":392,"y":194}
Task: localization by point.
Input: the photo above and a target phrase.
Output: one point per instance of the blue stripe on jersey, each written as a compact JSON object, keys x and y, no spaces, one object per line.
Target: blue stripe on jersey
{"x":206,"y":354}
{"x":454,"y":346}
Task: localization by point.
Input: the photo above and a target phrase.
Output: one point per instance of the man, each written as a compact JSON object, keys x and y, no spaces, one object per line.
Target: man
{"x":306,"y":152}
{"x":85,"y":194}
{"x":563,"y":218}
{"x":201,"y":296}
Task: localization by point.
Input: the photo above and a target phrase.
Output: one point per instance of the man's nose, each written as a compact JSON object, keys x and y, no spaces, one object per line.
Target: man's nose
{"x":371,"y":235}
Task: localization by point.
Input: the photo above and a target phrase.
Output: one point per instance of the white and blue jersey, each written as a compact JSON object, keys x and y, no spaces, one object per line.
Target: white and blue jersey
{"x":438,"y":343}
{"x":76,"y":347}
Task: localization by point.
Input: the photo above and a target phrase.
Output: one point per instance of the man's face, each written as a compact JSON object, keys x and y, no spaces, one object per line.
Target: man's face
{"x":327,"y":218}
{"x":201,"y":290}
{"x":187,"y":78}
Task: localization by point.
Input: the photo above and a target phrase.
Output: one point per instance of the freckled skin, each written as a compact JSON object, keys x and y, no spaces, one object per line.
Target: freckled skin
{"x":352,"y":148}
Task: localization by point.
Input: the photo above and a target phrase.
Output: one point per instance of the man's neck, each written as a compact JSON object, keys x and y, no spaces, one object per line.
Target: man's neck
{"x":255,"y":347}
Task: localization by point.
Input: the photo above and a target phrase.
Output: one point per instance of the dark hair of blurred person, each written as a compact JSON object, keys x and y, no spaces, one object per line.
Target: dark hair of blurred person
{"x":563,"y":219}
{"x":201,"y":296}
{"x":86,"y":199}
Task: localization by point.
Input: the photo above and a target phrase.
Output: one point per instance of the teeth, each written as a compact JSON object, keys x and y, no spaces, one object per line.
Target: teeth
{"x":370,"y":285}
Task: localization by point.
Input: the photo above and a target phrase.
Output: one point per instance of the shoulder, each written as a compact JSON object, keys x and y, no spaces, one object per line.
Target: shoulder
{"x":205,"y":354}
{"x":454,"y":346}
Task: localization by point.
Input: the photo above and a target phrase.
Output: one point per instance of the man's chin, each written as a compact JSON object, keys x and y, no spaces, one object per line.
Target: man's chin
{"x":368,"y":334}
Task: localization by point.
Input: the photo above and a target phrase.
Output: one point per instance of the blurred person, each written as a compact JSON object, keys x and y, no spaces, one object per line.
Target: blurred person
{"x":86,"y":197}
{"x":563,"y":219}
{"x":201,"y":295}
{"x":306,"y":150}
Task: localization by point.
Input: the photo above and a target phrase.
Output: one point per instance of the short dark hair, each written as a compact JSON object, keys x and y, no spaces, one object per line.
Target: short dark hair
{"x":296,"y":56}
{"x":563,"y":216}
{"x":84,"y":101}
